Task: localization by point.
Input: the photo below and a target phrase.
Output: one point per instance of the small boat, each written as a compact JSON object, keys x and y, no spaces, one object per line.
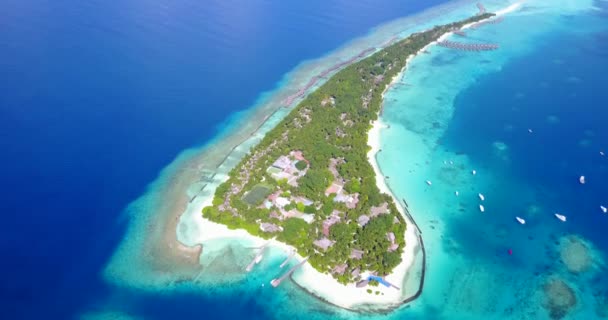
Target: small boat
{"x":561,"y":217}
{"x":456,"y":193}
{"x":429,"y":182}
{"x":481,"y":208}
{"x":520,"y":220}
{"x":602,"y":153}
{"x":258,"y":259}
{"x":530,"y":130}
{"x":474,"y":172}
{"x":581,"y":179}
{"x":481,"y":197}
{"x":604,"y":209}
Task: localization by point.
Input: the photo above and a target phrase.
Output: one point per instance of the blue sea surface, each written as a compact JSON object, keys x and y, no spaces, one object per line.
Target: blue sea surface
{"x":97,"y":97}
{"x":520,"y":126}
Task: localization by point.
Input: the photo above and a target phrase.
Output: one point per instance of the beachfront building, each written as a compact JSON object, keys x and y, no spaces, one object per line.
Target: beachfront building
{"x":340,"y":269}
{"x":270,"y":227}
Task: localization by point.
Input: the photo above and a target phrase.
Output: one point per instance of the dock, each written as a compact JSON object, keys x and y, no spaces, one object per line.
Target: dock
{"x":258,"y":257}
{"x":293,"y":253}
{"x":276,"y":282}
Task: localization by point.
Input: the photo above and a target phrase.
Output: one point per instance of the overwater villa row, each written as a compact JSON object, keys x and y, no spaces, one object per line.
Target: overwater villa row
{"x":468,"y":46}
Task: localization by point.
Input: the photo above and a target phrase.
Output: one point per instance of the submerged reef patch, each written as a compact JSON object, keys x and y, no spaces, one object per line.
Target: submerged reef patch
{"x":559,"y":298}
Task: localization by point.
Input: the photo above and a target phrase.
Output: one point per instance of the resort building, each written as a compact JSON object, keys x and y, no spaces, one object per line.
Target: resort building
{"x":330,"y":221}
{"x":356,"y":254}
{"x":376,"y":211}
{"x":340,"y":269}
{"x":363,"y":220}
{"x":323,"y":243}
{"x":394,"y":246}
{"x":270,"y":227}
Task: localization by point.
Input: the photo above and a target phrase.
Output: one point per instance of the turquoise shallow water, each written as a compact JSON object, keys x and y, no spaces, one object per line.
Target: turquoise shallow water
{"x":472,"y":111}
{"x":451,"y":113}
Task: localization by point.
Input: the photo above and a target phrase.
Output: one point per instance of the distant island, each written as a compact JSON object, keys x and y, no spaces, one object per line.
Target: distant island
{"x":309,"y":183}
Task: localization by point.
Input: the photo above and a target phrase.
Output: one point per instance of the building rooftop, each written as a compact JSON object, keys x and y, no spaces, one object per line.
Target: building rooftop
{"x":323,"y":243}
{"x":270,"y":227}
{"x":340,"y":269}
{"x":356,"y":254}
{"x":282,"y":162}
{"x":376,"y":211}
{"x":363,"y":220}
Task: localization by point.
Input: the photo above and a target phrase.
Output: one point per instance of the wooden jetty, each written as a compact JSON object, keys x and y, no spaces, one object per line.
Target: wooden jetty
{"x":481,"y":8}
{"x":258,"y":257}
{"x":293,"y":253}
{"x":468,"y":46}
{"x":276,"y":282}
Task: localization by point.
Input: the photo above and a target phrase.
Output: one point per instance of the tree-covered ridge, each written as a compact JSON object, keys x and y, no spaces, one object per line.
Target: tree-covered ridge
{"x":309,"y":183}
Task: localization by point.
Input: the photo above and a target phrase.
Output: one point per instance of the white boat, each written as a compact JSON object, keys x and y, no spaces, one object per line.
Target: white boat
{"x":258,"y":259}
{"x":474,"y":172}
{"x":561,"y":217}
{"x":520,"y":220}
{"x":481,"y":197}
{"x":429,"y":182}
{"x":456,"y":193}
{"x":602,"y":153}
{"x":530,"y":130}
{"x":581,"y":179}
{"x":481,"y":208}
{"x":604,"y":209}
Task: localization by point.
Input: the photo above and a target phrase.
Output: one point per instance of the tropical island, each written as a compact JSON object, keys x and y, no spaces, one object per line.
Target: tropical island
{"x":309,"y":183}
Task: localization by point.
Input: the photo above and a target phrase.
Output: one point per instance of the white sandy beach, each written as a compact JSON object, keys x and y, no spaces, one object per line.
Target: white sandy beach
{"x":202,"y":230}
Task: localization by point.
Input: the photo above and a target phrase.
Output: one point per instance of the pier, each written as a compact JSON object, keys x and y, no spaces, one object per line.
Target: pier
{"x":468,"y":46}
{"x":481,"y":8}
{"x":258,"y":257}
{"x":293,"y":253}
{"x":276,"y":282}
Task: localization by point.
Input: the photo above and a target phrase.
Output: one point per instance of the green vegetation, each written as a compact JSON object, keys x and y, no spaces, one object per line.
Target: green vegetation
{"x":329,"y":127}
{"x":301,"y":165}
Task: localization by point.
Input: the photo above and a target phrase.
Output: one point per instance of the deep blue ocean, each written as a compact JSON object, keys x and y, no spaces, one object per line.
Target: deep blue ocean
{"x":96,"y":97}
{"x":559,"y":93}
